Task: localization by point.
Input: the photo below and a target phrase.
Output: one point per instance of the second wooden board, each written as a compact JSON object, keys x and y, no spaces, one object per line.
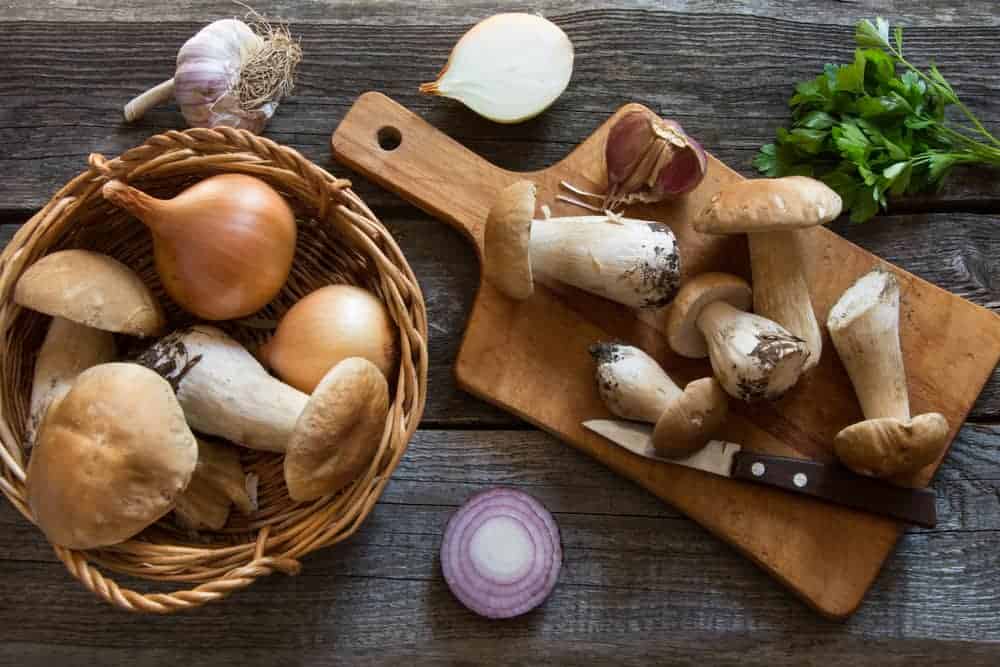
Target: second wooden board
{"x":531,"y":357}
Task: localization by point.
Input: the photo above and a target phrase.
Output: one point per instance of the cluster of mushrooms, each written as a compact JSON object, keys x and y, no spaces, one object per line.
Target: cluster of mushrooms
{"x":129,"y":421}
{"x":760,"y":341}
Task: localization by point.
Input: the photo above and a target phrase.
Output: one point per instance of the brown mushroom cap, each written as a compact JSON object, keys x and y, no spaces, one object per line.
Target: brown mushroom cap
{"x":339,"y":430}
{"x":682,"y":328}
{"x":507,"y":241}
{"x":91,"y":289}
{"x":768,"y":204}
{"x":690,"y":421}
{"x":887,"y":447}
{"x":111,"y":458}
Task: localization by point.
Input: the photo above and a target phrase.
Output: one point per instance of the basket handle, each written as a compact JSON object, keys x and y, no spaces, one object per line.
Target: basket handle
{"x":168,"y":603}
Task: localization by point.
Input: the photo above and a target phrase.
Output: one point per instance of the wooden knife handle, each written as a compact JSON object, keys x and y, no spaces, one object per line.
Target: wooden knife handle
{"x":838,"y":485}
{"x":391,"y":145}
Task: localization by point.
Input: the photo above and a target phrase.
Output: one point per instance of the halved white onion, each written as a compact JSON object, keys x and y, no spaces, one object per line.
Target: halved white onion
{"x":508,"y":68}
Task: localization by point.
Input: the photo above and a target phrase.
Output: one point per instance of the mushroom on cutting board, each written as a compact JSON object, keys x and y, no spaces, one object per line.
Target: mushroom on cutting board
{"x":88,"y":295}
{"x":770,"y":212}
{"x":227,"y":393}
{"x":864,"y":328}
{"x":112,"y":457}
{"x":633,"y":386}
{"x":632,"y":262}
{"x":752,"y":357}
{"x":218,"y":482}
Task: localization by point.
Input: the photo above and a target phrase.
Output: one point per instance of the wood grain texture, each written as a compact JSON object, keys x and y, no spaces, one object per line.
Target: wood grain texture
{"x":69,"y":66}
{"x":650,"y":56}
{"x":639,"y":583}
{"x":530,"y":357}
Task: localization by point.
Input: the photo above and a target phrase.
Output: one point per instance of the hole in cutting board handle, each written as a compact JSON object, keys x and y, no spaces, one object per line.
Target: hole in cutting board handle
{"x":389,"y":138}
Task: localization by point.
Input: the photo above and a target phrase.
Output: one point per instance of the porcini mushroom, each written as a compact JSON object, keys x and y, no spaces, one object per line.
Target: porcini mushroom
{"x":634,"y":386}
{"x":632,"y":262}
{"x":112,"y":457}
{"x":217,"y":483}
{"x":770,"y":212}
{"x":226,"y":392}
{"x":752,"y":357}
{"x":864,"y":328}
{"x":88,"y":295}
{"x":68,"y":350}
{"x":90,"y":289}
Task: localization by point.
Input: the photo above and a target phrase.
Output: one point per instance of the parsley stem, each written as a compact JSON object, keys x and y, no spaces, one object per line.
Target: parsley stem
{"x":951,"y":93}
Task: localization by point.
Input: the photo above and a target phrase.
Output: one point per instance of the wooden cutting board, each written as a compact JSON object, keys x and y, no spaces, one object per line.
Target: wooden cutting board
{"x":531,"y":357}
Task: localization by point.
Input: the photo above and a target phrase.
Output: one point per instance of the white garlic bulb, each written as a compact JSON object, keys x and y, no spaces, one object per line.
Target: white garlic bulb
{"x":227,"y":74}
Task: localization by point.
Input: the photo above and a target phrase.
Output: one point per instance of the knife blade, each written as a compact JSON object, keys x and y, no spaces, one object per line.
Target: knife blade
{"x":831,"y":482}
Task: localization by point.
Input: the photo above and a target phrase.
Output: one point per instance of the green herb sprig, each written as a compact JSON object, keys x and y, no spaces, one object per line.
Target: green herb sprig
{"x":868,"y":132}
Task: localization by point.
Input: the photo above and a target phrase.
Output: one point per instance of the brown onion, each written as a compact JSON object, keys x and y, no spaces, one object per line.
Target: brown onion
{"x":326,"y":327}
{"x":223,"y":247}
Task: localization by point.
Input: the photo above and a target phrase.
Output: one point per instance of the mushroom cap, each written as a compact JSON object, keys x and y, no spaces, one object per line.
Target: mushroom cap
{"x":768,"y":204}
{"x":682,"y":329}
{"x":111,"y":458}
{"x":690,"y":421}
{"x":91,"y":289}
{"x":507,"y":241}
{"x":887,"y":447}
{"x":339,"y":430}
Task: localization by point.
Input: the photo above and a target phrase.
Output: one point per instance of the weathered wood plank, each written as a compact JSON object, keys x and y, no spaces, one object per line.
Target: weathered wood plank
{"x":442,"y":468}
{"x":954,"y":251}
{"x":443,"y":12}
{"x":638,"y":582}
{"x":70,"y":80}
{"x":619,"y":649}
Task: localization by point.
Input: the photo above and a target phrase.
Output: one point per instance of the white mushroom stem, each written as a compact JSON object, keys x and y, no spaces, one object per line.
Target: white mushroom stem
{"x":632,"y":262}
{"x":68,"y":350}
{"x":780,"y":291}
{"x":631,"y":383}
{"x":752,"y":357}
{"x":864,"y":327}
{"x":224,"y":391}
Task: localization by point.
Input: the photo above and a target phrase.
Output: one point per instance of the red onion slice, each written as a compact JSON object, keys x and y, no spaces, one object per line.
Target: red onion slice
{"x":501,"y":554}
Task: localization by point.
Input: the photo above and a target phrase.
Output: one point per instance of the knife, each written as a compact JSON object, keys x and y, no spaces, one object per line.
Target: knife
{"x":832,"y":483}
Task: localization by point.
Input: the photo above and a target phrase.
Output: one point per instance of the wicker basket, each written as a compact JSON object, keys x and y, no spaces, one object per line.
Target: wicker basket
{"x":339,"y":241}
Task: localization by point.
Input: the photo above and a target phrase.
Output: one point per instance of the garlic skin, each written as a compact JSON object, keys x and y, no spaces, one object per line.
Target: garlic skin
{"x":507,"y":68}
{"x":208,"y":69}
{"x":650,"y":159}
{"x":228,"y":74}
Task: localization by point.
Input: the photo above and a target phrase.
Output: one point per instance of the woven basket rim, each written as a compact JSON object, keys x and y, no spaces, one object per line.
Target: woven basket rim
{"x":278,"y":545}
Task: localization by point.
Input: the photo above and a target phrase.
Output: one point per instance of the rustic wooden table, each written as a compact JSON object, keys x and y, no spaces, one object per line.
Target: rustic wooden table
{"x":640,"y":583}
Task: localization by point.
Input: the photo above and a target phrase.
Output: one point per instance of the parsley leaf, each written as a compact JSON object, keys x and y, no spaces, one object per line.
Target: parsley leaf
{"x":869,"y":132}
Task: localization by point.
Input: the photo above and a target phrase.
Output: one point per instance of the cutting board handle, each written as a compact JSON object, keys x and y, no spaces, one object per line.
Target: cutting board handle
{"x":397,"y":149}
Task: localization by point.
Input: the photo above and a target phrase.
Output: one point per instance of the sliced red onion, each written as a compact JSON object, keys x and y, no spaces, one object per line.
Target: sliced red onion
{"x":501,"y":554}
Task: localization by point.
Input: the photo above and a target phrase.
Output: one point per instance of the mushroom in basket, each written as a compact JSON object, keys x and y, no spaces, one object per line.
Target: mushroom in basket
{"x":89,"y":296}
{"x":327,"y":437}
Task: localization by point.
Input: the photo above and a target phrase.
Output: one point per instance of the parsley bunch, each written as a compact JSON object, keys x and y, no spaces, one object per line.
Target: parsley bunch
{"x":867,"y":132}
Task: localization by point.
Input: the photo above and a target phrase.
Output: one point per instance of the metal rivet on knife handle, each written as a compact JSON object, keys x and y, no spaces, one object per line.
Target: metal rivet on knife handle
{"x":758,"y":469}
{"x":800,"y":479}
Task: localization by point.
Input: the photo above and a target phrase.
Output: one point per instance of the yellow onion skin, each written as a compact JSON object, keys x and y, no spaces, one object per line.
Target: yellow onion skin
{"x":324,"y":328}
{"x":223,"y":247}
